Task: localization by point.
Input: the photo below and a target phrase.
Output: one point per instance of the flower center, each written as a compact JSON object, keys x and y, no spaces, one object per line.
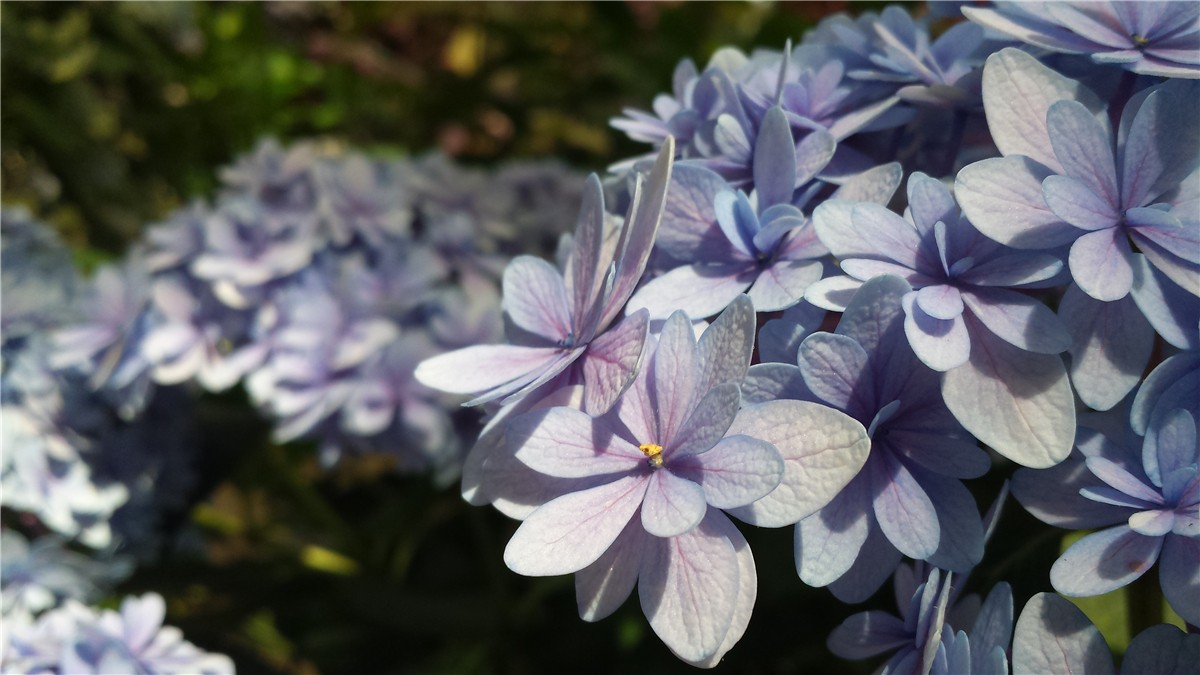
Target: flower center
{"x":653,"y":454}
{"x":1139,"y":41}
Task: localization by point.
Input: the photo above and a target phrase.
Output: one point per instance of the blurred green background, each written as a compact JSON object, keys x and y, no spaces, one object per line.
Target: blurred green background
{"x":115,"y":114}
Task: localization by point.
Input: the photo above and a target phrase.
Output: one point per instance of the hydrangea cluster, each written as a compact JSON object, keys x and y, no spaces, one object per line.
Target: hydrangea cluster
{"x":77,"y":639}
{"x":752,"y":322}
{"x":317,"y":279}
{"x":1045,"y":243}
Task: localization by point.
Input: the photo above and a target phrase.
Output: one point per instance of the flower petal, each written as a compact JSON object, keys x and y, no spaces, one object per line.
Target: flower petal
{"x":676,"y":368}
{"x":484,"y":367}
{"x":603,"y":586}
{"x":1054,"y":636}
{"x":1003,"y":199}
{"x":1019,"y":320}
{"x":536,"y":298}
{"x":611,"y":361}
{"x":1101,"y":264}
{"x":571,"y":532}
{"x":568,"y":443}
{"x":736,"y":471}
{"x":1104,"y":561}
{"x":835,"y":370}
{"x":782,"y":283}
{"x":699,"y":290}
{"x":774,"y":160}
{"x":1111,"y":346}
{"x":822,"y":450}
{"x":688,"y":590}
{"x":707,"y":423}
{"x":1163,"y":650}
{"x":673,"y":505}
{"x":1018,"y":92}
{"x":941,"y":345}
{"x":1084,"y":147}
{"x":1180,"y":575}
{"x":727,"y":345}
{"x":903,"y":509}
{"x":1017,"y":402}
{"x":829,"y":541}
{"x":1076,"y":203}
{"x":940,"y":301}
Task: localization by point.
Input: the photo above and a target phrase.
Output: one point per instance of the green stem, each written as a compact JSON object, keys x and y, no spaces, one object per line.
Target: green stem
{"x":1145,"y":604}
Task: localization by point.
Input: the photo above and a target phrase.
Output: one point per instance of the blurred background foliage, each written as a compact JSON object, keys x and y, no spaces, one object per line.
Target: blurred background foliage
{"x":115,"y":114}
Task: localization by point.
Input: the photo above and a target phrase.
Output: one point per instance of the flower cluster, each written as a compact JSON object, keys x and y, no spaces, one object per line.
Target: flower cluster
{"x":767,"y":330}
{"x":77,"y":639}
{"x":982,"y":311}
{"x":317,"y":279}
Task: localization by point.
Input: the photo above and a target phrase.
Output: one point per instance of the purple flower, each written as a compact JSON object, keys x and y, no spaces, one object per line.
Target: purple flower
{"x":40,"y":575}
{"x":646,"y":484}
{"x":729,"y":242}
{"x":566,"y":322}
{"x":250,"y":248}
{"x":106,"y":346}
{"x":922,"y":636}
{"x":908,"y":498}
{"x":733,"y":244}
{"x":674,"y":115}
{"x":315,"y":351}
{"x":1152,"y":38}
{"x":1065,"y":178}
{"x":1150,"y":493}
{"x":78,"y":639}
{"x":359,"y":198}
{"x":281,"y":180}
{"x":386,"y":406}
{"x":200,"y":337}
{"x":962,"y":316}
{"x":896,"y":51}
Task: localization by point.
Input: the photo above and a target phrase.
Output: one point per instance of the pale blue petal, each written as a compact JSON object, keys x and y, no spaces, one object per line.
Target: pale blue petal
{"x":822,"y":450}
{"x":1162,"y":650}
{"x":1017,"y":402}
{"x":1054,"y":636}
{"x":1180,"y":575}
{"x":1112,"y":345}
{"x":1104,"y":561}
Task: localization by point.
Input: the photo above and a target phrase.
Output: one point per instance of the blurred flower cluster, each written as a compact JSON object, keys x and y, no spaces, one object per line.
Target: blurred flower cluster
{"x":317,"y":279}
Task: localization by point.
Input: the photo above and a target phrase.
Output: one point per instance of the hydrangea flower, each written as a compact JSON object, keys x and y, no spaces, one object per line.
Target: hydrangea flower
{"x":78,"y":639}
{"x":201,"y":337}
{"x":1151,"y":38}
{"x":733,"y":242}
{"x":250,"y":248}
{"x":1060,"y":181}
{"x":106,"y":344}
{"x":40,"y":575}
{"x":962,"y":316}
{"x":567,"y":324}
{"x":648,"y":482}
{"x":282,"y":180}
{"x":1065,"y":180}
{"x":1150,"y":493}
{"x":908,"y":498}
{"x":895,"y":51}
{"x":360,"y":198}
{"x":314,"y":352}
{"x":924,"y":639}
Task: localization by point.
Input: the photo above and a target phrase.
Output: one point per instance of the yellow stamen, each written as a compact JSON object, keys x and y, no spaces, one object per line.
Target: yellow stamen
{"x":653,"y":452}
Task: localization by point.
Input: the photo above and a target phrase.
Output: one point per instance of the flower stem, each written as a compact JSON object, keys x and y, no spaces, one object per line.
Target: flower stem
{"x":1145,"y":601}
